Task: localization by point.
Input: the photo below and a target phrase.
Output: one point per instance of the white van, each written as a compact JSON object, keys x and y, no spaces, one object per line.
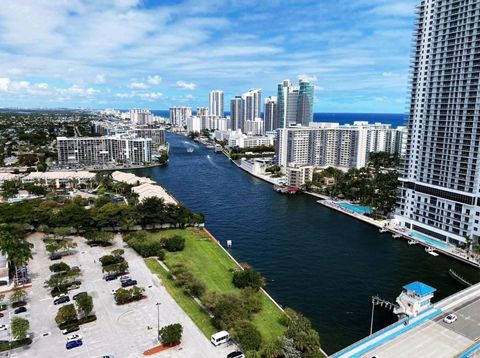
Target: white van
{"x":219,"y":338}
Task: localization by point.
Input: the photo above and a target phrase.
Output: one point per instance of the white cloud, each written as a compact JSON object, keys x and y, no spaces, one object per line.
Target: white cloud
{"x":14,"y":71}
{"x":308,"y":78}
{"x":4,"y":84}
{"x":100,"y":78}
{"x":186,"y":85}
{"x":154,"y":80}
{"x":388,"y":74}
{"x":318,"y":88}
{"x":42,"y":86}
{"x":138,"y":85}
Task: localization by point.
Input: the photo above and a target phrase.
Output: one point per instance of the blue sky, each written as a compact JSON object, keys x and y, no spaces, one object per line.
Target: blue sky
{"x":154,"y":54}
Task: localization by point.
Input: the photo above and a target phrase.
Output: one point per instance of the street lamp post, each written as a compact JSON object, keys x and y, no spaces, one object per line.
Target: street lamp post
{"x":158,"y":320}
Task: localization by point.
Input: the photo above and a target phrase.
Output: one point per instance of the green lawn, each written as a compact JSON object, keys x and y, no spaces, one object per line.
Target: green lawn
{"x":207,"y":261}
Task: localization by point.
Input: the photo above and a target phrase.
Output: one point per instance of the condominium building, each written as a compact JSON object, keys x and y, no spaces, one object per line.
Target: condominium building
{"x":236,"y":112}
{"x":141,"y":116}
{"x":238,"y":139}
{"x":194,"y":124}
{"x":114,"y":128}
{"x":106,"y":150}
{"x":331,"y":144}
{"x":270,"y":114}
{"x":215,"y":103}
{"x":252,"y":104}
{"x":440,"y":183}
{"x":254,"y":127}
{"x":287,"y":98}
{"x":298,"y":175}
{"x":304,"y":103}
{"x":179,"y":115}
{"x":202,"y":111}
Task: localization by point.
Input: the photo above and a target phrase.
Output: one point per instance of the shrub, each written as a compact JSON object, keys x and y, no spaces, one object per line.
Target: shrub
{"x":247,"y":335}
{"x":251,"y":300}
{"x":174,"y":243}
{"x":111,"y":259}
{"x":143,"y":246}
{"x":248,"y":277}
{"x":101,"y":238}
{"x":61,"y":266}
{"x":19,"y":327}
{"x":117,"y":269}
{"x":123,"y":295}
{"x":226,"y":308}
{"x":171,"y":334}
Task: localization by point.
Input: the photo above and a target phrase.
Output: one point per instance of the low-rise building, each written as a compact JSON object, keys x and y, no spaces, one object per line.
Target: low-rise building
{"x":130,"y":178}
{"x":298,"y":175}
{"x":148,"y":190}
{"x":60,"y":179}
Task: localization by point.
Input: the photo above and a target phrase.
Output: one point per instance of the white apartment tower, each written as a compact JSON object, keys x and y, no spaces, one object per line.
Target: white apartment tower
{"x":287,"y":99}
{"x":215,"y":103}
{"x":179,"y":116}
{"x":440,"y":183}
{"x":252,"y":104}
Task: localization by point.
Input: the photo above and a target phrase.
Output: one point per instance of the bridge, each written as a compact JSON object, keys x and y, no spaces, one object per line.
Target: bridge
{"x":426,"y":335}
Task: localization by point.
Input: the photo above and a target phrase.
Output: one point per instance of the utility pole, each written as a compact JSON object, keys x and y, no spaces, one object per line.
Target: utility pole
{"x":371,"y":320}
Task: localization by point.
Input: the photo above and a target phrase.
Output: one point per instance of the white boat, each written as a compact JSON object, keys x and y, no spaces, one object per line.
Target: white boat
{"x":412,"y":242}
{"x":396,"y":236}
{"x":190,"y":149}
{"x":383,"y":229}
{"x":430,"y":250}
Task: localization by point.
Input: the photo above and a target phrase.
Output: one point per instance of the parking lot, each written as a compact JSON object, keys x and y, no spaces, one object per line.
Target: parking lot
{"x":122,"y":331}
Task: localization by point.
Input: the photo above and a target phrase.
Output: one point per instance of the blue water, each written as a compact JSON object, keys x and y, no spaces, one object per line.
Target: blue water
{"x":343,"y":118}
{"x":316,"y":260}
{"x":428,"y":240}
{"x":359,"y":209}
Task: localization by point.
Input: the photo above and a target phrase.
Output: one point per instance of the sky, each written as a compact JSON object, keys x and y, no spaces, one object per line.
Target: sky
{"x":156,"y":54}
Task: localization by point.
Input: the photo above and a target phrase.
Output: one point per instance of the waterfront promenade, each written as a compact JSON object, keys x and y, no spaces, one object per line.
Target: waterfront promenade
{"x":412,"y":236}
{"x":427,"y":335}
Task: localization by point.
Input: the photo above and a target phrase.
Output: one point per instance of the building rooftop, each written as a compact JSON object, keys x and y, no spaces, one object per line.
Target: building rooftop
{"x":130,"y":178}
{"x":153,"y":191}
{"x":60,"y":175}
{"x":420,"y":288}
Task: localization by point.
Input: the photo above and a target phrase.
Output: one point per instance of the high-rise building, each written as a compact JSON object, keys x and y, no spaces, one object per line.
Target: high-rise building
{"x":215,"y":103}
{"x":202,"y":111}
{"x":104,"y":150}
{"x":287,"y":102}
{"x":252,"y":104}
{"x":141,"y":116}
{"x":331,"y":144}
{"x":254,"y":127}
{"x":236,"y":112}
{"x":440,"y":183}
{"x":270,"y":114}
{"x":179,"y":115}
{"x":305,"y":104}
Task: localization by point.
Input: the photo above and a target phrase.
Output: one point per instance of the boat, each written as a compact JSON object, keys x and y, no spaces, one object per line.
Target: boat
{"x":190,"y":149}
{"x":383,"y":229}
{"x":431,"y":251}
{"x":412,"y":242}
{"x":285,"y":189}
{"x":396,"y":236}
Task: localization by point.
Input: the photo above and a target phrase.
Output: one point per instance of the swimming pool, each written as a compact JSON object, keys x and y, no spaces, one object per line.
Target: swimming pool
{"x":359,"y":209}
{"x":428,"y":240}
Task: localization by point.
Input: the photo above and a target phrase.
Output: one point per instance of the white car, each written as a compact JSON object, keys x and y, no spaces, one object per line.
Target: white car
{"x":450,"y":318}
{"x":74,"y":337}
{"x":3,"y":327}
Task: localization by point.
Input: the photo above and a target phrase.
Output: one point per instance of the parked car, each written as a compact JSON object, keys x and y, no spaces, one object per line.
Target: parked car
{"x":74,"y":337}
{"x":3,"y":327}
{"x":61,"y":300}
{"x":110,"y":277}
{"x":74,"y":287}
{"x":236,"y":354}
{"x":73,"y":344}
{"x":20,"y":310}
{"x":124,"y":278}
{"x":55,"y":257}
{"x":75,"y":268}
{"x":129,"y":282}
{"x":70,"y":330}
{"x":1,"y":315}
{"x":450,"y":318}
{"x":79,"y":294}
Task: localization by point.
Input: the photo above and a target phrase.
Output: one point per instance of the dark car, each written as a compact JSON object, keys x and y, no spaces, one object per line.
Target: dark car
{"x":54,"y":257}
{"x":236,"y":354}
{"x":73,"y":344}
{"x":129,"y":283}
{"x":61,"y":299}
{"x":70,"y":330}
{"x":110,"y":277}
{"x":20,"y":310}
{"x":78,"y":295}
